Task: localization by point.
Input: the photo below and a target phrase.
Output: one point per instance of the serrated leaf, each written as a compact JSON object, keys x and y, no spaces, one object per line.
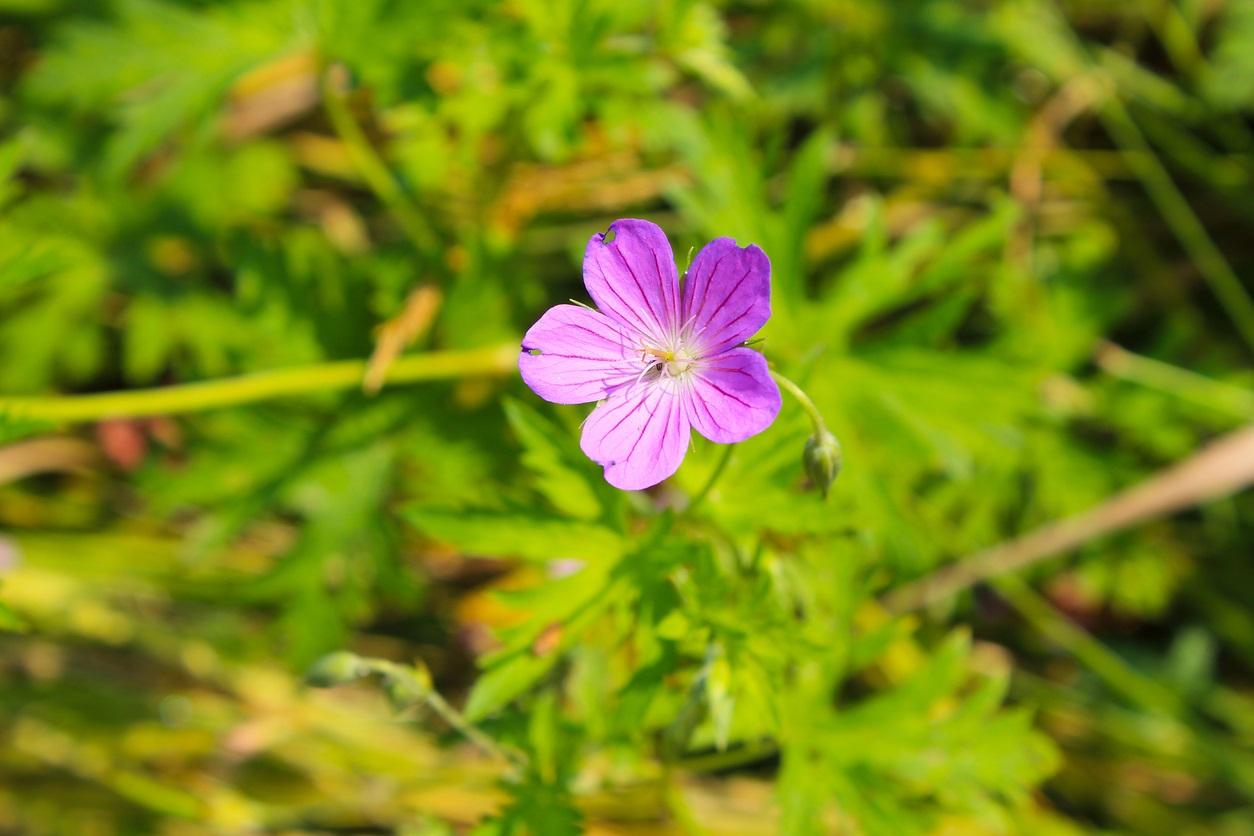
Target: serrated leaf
{"x":569,"y":610}
{"x":539,"y":808}
{"x":563,"y":474}
{"x":169,"y":68}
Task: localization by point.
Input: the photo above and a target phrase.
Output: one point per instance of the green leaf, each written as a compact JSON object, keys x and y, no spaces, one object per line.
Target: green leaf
{"x":564,"y":475}
{"x":506,"y":681}
{"x":169,"y":68}
{"x":10,"y":622}
{"x":635,"y":698}
{"x":1230,"y":83}
{"x":15,"y":427}
{"x":517,"y":534}
{"x":722,"y":700}
{"x":570,"y":606}
{"x":703,"y":51}
{"x":10,"y":160}
{"x":537,"y":808}
{"x":807,"y":182}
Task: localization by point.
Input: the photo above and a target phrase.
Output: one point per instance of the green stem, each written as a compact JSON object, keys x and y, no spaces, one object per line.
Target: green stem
{"x":714,"y":477}
{"x":415,"y":683}
{"x":471,"y":732}
{"x":259,"y":386}
{"x":1139,"y":689}
{"x":1176,"y":35}
{"x":1181,"y":219}
{"x":816,"y":417}
{"x":371,"y":166}
{"x":1173,"y":380}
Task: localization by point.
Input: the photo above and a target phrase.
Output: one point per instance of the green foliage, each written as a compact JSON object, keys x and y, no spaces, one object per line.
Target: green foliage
{"x":521,"y":534}
{"x":966,"y":207}
{"x":10,"y":621}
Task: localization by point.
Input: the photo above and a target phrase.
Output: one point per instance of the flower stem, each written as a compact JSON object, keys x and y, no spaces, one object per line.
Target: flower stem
{"x":413,"y":686}
{"x":714,"y":477}
{"x":821,"y":455}
{"x":259,"y":386}
{"x":471,"y":732}
{"x":816,"y":417}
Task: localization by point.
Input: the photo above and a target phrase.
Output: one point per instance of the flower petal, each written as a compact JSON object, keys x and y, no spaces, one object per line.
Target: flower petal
{"x":731,"y":396}
{"x":632,"y":277}
{"x":727,"y":295}
{"x":584,"y":355}
{"x":639,"y":436}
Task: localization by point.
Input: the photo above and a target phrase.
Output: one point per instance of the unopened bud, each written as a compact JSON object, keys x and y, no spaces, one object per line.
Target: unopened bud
{"x":335,"y":669}
{"x":822,"y":459}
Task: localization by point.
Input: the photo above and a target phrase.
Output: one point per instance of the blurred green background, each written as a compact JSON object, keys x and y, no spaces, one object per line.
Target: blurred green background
{"x":1011,"y":247}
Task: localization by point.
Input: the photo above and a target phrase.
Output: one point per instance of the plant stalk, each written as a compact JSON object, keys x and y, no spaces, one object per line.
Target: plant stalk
{"x":816,"y":417}
{"x":259,"y":386}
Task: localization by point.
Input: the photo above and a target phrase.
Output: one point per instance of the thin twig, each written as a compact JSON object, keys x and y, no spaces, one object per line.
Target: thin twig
{"x":414,"y":320}
{"x":45,"y":455}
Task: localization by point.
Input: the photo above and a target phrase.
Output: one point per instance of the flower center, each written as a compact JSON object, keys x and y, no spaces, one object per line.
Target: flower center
{"x":673,"y":363}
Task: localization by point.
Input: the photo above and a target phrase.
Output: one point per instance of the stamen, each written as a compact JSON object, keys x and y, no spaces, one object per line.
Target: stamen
{"x":688,"y":322}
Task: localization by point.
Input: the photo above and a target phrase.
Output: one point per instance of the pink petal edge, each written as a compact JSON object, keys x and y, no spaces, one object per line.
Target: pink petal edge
{"x":633,"y":279}
{"x":727,"y":295}
{"x":639,"y":437}
{"x":732,"y":396}
{"x":584,"y":356}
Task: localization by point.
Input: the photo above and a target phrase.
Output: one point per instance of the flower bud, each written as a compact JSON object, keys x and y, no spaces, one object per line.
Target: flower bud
{"x":335,"y":669}
{"x":822,"y":459}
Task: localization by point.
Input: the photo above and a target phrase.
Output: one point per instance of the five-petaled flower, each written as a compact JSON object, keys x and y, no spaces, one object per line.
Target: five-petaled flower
{"x":661,"y":358}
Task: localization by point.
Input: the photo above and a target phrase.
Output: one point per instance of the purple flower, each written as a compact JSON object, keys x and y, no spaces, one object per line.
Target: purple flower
{"x":661,"y":359}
